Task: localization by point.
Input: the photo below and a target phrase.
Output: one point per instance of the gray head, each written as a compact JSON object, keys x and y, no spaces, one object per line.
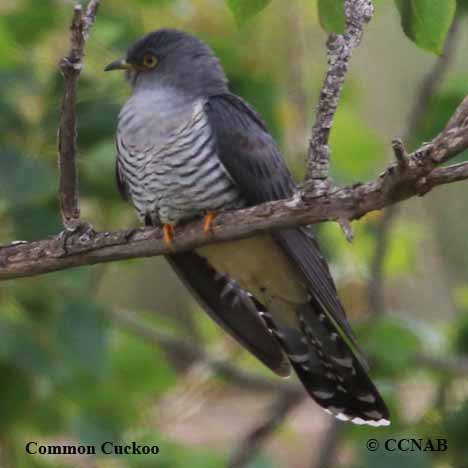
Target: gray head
{"x":171,"y":58}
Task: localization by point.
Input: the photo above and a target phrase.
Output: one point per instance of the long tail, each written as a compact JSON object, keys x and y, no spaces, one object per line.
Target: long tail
{"x":327,"y":367}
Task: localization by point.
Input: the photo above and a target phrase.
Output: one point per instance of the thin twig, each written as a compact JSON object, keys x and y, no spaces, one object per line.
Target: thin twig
{"x":429,"y":84}
{"x":285,"y":402}
{"x":347,"y":229}
{"x":70,"y":67}
{"x":400,"y":153}
{"x":339,"y":50}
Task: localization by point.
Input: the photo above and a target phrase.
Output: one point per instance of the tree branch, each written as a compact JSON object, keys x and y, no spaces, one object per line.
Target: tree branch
{"x":70,"y":67}
{"x":421,"y":174}
{"x":339,"y":50}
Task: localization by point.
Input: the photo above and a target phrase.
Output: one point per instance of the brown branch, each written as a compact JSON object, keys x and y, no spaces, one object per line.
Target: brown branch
{"x":427,"y":88}
{"x":70,"y":67}
{"x":351,"y":202}
{"x":285,"y":402}
{"x":339,"y":50}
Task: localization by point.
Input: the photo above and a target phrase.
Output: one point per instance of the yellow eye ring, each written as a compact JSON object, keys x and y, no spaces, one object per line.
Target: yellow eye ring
{"x":150,"y":61}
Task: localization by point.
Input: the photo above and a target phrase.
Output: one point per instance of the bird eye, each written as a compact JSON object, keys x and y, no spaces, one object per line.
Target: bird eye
{"x":149,"y":61}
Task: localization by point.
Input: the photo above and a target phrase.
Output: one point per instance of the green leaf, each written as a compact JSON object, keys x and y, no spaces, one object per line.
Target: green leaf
{"x":331,"y":15}
{"x":427,"y":22}
{"x":244,"y":10}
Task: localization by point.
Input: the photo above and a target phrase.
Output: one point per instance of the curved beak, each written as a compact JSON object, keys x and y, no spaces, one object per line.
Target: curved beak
{"x":120,"y":64}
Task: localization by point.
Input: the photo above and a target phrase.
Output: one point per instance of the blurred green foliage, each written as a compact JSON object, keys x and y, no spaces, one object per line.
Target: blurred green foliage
{"x":69,"y":371}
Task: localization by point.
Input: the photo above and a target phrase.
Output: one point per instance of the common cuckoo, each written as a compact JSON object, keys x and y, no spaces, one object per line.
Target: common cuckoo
{"x":188,"y":147}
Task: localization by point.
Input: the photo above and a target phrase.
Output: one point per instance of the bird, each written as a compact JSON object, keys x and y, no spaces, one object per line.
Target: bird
{"x":188,"y":147}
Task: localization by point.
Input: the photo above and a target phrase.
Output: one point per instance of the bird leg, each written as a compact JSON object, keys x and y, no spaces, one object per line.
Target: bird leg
{"x":208,"y":222}
{"x":168,"y":231}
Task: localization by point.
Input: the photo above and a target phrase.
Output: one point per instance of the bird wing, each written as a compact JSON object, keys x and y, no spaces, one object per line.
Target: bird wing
{"x":287,"y":274}
{"x":250,"y":155}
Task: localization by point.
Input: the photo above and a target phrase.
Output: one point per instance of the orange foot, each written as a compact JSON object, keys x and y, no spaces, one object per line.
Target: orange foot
{"x":168,"y":231}
{"x":208,"y":222}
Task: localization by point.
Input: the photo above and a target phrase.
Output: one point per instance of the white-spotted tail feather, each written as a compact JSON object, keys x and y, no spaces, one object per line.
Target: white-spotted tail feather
{"x":328,"y":369}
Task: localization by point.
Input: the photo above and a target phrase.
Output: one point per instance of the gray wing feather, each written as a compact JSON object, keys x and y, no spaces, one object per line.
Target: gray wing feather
{"x":252,"y":158}
{"x":248,"y":151}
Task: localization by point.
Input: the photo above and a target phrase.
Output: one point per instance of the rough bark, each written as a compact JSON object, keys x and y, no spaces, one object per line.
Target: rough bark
{"x":70,"y":67}
{"x":398,"y":182}
{"x":339,"y":50}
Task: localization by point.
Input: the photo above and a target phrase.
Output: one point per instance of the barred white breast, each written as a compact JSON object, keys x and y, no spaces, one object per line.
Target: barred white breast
{"x":167,"y":157}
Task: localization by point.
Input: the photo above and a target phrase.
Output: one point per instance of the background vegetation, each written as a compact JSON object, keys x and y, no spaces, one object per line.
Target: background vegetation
{"x":72,"y":370}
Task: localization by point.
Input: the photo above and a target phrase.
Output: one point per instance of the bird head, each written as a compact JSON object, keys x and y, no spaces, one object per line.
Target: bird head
{"x":171,"y":58}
